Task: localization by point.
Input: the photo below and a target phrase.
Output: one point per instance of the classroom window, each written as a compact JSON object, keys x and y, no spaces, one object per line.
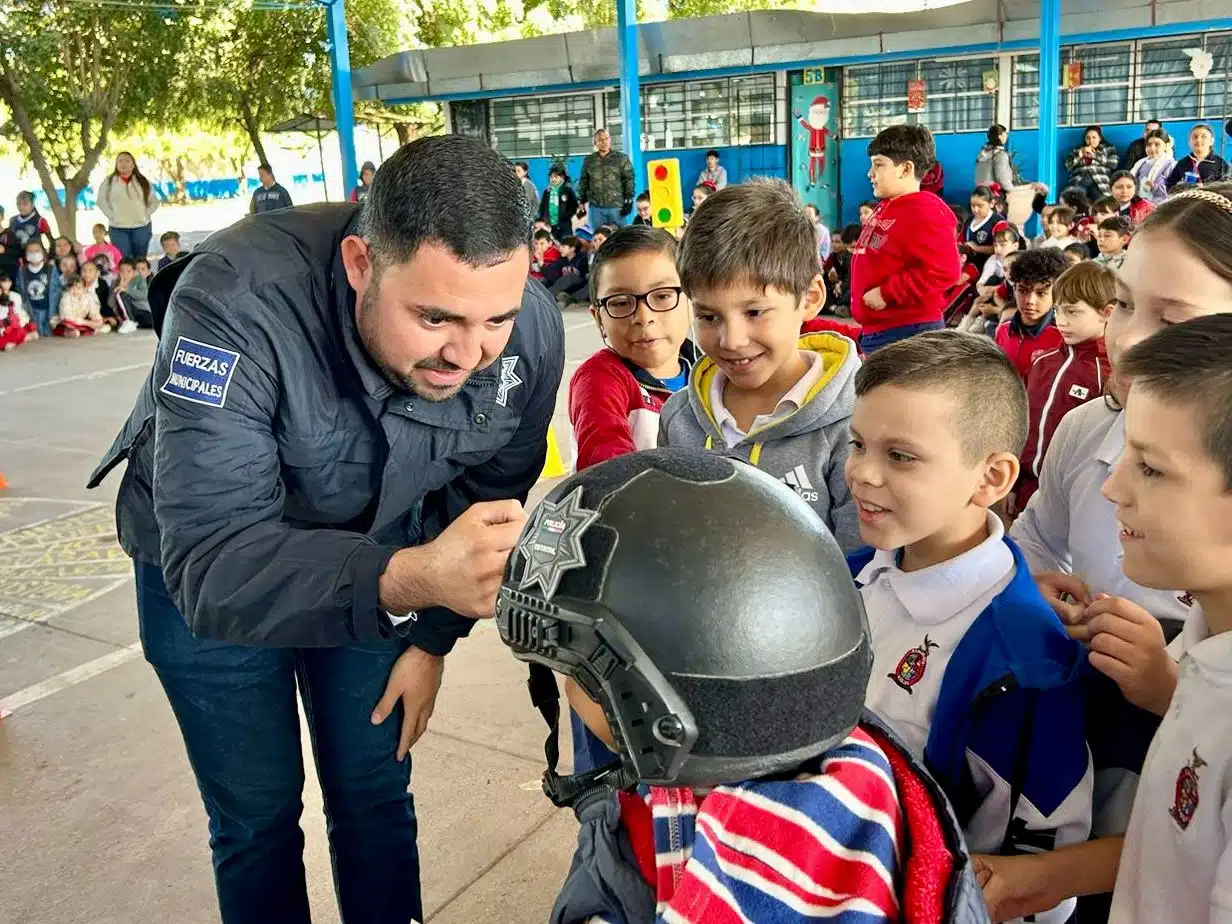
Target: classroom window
{"x":469,"y":117}
{"x":1102,"y":96}
{"x":552,"y":126}
{"x":701,"y":113}
{"x":1167,"y":87}
{"x":875,"y":96}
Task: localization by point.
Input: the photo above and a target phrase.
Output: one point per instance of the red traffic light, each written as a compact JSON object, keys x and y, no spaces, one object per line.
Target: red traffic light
{"x":660,"y":173}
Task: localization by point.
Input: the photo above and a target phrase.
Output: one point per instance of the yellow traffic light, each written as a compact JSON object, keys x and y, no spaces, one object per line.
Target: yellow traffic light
{"x":666,"y":208}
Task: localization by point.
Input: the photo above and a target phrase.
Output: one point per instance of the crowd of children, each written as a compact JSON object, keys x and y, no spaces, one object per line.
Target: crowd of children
{"x":49,"y":287}
{"x":1041,"y":550}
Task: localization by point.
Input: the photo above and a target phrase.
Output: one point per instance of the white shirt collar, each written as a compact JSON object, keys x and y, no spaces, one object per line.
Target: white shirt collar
{"x":934,"y":594}
{"x":793,"y":400}
{"x":1113,"y":443}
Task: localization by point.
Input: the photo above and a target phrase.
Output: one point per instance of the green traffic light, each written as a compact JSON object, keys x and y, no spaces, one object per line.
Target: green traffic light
{"x":665,"y":214}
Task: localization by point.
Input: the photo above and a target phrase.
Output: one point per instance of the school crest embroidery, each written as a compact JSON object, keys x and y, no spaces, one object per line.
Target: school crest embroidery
{"x":911,"y":666}
{"x":1186,"y":598}
{"x":1185,"y":801}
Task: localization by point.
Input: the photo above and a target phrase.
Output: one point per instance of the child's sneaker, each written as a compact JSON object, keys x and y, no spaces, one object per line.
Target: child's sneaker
{"x":128,"y":327}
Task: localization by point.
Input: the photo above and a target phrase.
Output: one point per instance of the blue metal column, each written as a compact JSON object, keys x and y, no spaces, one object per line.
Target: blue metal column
{"x":344,"y":106}
{"x":1050,"y":79}
{"x":630,"y":88}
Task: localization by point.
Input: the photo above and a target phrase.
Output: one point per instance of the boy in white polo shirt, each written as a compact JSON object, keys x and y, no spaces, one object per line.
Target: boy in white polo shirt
{"x":763,"y":393}
{"x":1173,"y":491}
{"x":972,"y":667}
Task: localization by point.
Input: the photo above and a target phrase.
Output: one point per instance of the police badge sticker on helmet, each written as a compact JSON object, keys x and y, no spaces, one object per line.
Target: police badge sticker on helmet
{"x":702,"y":604}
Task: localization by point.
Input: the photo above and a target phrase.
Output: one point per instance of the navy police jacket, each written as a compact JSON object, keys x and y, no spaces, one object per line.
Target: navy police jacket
{"x":272,"y":470}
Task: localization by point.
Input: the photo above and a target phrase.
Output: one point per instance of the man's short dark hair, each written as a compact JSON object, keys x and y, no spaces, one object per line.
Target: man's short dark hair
{"x":1190,"y":364}
{"x":712,"y":153}
{"x":755,"y":232}
{"x":169,"y":236}
{"x":627,"y":242}
{"x":990,"y":413}
{"x":902,"y":143}
{"x":851,"y":233}
{"x":448,"y":190}
{"x":1041,"y":267}
{"x":1118,"y":223}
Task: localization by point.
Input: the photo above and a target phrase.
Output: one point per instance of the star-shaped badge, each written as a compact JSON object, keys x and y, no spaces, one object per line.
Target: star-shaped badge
{"x":552,"y":544}
{"x":509,"y":379}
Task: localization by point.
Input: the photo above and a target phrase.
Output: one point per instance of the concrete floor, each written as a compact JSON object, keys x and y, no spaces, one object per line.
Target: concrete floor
{"x":100,"y":820}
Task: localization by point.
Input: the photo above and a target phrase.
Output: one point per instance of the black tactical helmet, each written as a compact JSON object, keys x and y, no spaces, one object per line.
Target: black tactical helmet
{"x":703,"y":604}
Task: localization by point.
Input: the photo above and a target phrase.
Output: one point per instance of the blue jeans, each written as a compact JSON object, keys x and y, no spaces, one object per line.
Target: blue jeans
{"x":871,"y":342}
{"x":237,"y":712}
{"x":600,"y":217}
{"x":132,"y":242}
{"x":41,"y":316}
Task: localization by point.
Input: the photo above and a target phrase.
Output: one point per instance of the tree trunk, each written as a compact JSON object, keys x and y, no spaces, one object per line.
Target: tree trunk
{"x":252,"y":127}
{"x":404,"y":133}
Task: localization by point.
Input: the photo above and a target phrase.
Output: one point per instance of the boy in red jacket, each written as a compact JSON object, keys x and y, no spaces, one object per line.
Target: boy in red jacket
{"x":1072,"y":374}
{"x":1031,"y":330}
{"x":907,"y":256}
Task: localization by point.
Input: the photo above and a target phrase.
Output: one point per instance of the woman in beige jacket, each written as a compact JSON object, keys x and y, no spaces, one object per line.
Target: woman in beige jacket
{"x":128,"y":200}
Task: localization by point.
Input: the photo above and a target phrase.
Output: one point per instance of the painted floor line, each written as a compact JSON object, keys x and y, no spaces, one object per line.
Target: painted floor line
{"x":21,"y":624}
{"x":68,"y":678}
{"x":81,"y":377}
{"x":84,"y":505}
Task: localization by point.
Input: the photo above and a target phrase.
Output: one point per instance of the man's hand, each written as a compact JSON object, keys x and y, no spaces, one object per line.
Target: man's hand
{"x":460,"y":569}
{"x":1066,"y":594}
{"x":415,"y":680}
{"x":1127,"y":644}
{"x":1013,"y":886}
{"x":874,"y":299}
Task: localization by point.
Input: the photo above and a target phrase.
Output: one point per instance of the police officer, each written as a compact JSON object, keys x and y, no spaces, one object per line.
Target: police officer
{"x":325,"y":475}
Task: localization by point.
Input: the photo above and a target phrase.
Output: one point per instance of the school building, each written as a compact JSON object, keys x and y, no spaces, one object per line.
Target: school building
{"x":768,"y":90}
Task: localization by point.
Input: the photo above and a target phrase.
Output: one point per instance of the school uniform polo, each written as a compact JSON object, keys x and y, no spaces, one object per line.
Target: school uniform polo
{"x":1069,"y":526}
{"x":789,"y":403}
{"x":1176,"y":866}
{"x":917,"y":618}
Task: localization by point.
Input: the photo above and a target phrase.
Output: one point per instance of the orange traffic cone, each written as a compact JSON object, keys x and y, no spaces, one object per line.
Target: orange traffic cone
{"x":3,"y":484}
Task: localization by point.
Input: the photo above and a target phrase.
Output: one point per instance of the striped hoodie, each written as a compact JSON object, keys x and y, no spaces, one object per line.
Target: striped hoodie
{"x":819,"y":845}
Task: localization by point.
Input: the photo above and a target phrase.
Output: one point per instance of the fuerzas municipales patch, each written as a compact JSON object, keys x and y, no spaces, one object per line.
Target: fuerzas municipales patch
{"x":200,"y":373}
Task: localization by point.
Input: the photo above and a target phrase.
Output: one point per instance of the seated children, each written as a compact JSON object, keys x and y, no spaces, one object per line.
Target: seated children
{"x":15,"y":325}
{"x":1030,"y":329}
{"x":1173,"y":494}
{"x":1005,"y":241}
{"x":602,"y":233}
{"x":867,"y":210}
{"x":80,"y":315}
{"x":38,"y":283}
{"x":1061,"y":379}
{"x":170,"y":241}
{"x":1077,"y":253}
{"x":143,"y":268}
{"x":823,"y":233}
{"x":1058,"y":228}
{"x":763,"y":393}
{"x":566,"y":277}
{"x":642,"y":218}
{"x":838,"y":272}
{"x":1113,"y":240}
{"x":971,"y":667}
{"x":907,"y":258}
{"x":745,"y":811}
{"x":978,"y":230}
{"x":131,"y":298}
{"x":94,"y":282}
{"x":701,"y":193}
{"x":545,"y":252}
{"x":1101,"y":211}
{"x":1130,"y":205}
{"x":103,"y":248}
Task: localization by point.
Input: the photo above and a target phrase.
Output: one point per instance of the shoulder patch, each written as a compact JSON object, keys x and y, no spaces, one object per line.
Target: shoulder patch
{"x":200,"y":373}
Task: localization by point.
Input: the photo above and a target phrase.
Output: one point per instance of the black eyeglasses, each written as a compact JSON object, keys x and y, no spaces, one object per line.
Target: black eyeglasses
{"x":624,"y":304}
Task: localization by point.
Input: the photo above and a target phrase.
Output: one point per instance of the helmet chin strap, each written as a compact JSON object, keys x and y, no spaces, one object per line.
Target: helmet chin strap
{"x":567,"y":791}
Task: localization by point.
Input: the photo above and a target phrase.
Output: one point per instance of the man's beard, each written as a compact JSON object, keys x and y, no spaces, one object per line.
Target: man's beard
{"x":369,"y":336}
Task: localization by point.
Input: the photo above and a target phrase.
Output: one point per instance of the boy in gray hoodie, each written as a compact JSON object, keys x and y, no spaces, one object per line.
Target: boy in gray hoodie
{"x":763,"y":393}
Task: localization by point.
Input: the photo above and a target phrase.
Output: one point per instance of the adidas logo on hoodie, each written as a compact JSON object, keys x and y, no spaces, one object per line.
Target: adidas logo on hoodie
{"x":798,"y":480}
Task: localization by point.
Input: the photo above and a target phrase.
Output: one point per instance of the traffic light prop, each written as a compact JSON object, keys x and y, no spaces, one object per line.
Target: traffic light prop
{"x":666,"y":208}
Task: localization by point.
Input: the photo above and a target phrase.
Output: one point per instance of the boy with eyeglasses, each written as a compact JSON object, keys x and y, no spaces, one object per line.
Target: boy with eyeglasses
{"x":763,"y":393}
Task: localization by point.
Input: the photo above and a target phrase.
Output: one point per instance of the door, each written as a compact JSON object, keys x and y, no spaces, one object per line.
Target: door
{"x":813,"y":154}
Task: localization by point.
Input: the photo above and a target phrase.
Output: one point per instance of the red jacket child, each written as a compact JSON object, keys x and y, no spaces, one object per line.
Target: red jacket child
{"x":1058,"y":381}
{"x":909,"y":251}
{"x":1021,"y":343}
{"x":614,"y":405}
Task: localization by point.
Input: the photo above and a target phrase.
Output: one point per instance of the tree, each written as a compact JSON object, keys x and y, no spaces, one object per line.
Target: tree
{"x":74,"y":71}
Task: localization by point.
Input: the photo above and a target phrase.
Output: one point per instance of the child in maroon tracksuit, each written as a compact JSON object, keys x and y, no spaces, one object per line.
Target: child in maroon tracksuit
{"x":1072,"y":374}
{"x":1031,"y":330}
{"x":906,"y":260}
